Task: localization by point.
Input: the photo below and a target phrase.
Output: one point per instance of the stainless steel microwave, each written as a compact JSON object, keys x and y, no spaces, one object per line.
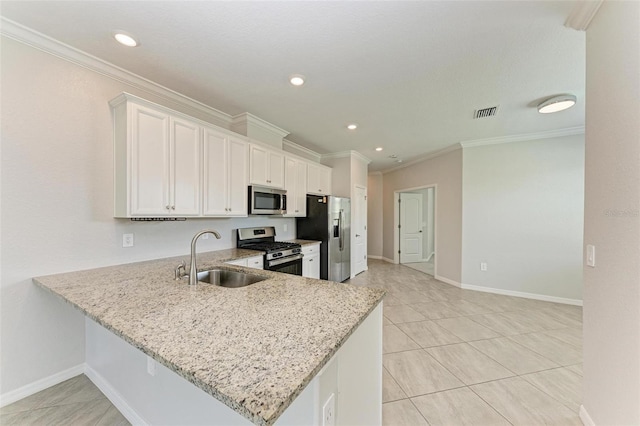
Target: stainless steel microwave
{"x":267,"y":200}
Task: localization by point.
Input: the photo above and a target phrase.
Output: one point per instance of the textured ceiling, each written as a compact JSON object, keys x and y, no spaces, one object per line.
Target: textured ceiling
{"x":410,"y":74}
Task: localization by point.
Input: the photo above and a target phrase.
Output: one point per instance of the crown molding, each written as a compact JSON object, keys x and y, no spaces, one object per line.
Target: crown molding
{"x":582,"y":14}
{"x":295,"y":147}
{"x":345,"y":154}
{"x":245,"y":120}
{"x":425,"y":157}
{"x":378,"y":173}
{"x":570,"y":131}
{"x":35,"y":39}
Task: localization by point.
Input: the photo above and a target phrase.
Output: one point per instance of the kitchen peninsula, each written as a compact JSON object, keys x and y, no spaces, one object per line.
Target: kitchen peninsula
{"x":278,"y":351}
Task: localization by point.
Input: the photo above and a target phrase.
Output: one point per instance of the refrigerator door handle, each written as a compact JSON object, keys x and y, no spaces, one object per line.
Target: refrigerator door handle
{"x":341,"y":237}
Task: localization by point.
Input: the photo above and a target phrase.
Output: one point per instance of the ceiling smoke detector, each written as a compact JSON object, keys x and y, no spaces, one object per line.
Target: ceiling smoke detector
{"x":486,"y":112}
{"x":393,"y":156}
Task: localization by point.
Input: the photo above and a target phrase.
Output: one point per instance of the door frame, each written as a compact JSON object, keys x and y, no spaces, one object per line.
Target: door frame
{"x":366,"y":228}
{"x":396,"y":222}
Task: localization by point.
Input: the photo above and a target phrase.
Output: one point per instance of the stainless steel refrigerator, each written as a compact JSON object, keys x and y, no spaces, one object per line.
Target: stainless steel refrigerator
{"x":329,"y":220}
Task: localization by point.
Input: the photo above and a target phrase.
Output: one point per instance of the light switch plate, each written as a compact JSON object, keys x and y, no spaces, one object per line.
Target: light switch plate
{"x":591,"y":255}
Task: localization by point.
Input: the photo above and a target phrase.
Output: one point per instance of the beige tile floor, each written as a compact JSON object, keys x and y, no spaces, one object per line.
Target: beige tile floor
{"x":76,"y":401}
{"x":460,"y":357}
{"x":451,"y":357}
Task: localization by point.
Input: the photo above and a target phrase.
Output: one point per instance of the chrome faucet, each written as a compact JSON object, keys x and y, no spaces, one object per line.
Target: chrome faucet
{"x":193,"y":270}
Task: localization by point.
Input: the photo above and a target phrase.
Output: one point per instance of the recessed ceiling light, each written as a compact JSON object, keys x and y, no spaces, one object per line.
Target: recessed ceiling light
{"x":125,"y":39}
{"x":379,"y":148}
{"x":297,"y":79}
{"x":352,"y":126}
{"x":557,"y":103}
{"x":398,"y":161}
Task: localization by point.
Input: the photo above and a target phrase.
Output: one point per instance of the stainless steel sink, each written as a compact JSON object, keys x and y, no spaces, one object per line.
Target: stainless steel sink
{"x":229,"y":279}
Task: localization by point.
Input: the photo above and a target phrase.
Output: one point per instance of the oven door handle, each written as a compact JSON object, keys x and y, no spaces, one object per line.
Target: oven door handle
{"x":287,"y":259}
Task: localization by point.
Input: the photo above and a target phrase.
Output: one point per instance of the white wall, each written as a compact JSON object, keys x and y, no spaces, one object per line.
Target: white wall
{"x":446,"y":171}
{"x":523,"y":207}
{"x":57,"y":206}
{"x":611,"y":382}
{"x":374,"y":215}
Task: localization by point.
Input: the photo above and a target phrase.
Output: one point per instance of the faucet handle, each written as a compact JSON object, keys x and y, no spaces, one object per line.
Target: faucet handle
{"x":182,"y":266}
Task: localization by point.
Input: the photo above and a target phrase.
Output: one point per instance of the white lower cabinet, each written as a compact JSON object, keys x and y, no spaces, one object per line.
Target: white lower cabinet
{"x":255,"y":262}
{"x":311,"y":261}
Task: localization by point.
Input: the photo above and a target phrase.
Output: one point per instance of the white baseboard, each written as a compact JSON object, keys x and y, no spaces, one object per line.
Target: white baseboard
{"x":543,"y":297}
{"x":39,"y":385}
{"x":113,"y":396}
{"x":585,"y":417}
{"x":447,"y":281}
{"x":369,"y":256}
{"x":386,"y":259}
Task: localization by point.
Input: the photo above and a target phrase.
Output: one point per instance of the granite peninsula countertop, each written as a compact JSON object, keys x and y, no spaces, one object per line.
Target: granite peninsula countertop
{"x":253,"y":348}
{"x":304,"y":242}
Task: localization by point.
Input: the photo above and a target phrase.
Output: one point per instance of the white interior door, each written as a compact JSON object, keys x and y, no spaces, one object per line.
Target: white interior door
{"x":359,"y":230}
{"x":411,"y":227}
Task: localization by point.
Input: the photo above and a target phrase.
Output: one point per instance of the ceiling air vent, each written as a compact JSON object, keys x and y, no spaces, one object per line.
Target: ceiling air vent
{"x":486,"y":112}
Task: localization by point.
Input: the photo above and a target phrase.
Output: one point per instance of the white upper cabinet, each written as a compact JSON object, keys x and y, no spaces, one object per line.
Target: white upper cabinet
{"x":157,"y":164}
{"x":184,"y":172}
{"x":295,"y":175}
{"x":318,"y":179}
{"x":225,"y":175}
{"x":266,"y":167}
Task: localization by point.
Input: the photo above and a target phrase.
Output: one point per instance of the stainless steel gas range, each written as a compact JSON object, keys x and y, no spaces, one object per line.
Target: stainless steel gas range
{"x":280,"y":256}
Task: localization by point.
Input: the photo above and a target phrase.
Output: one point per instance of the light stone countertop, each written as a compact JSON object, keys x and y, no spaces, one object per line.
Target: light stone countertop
{"x":303,"y":242}
{"x":253,"y":348}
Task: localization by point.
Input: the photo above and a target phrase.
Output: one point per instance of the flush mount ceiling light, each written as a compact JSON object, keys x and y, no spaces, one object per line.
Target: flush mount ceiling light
{"x":296,"y":80}
{"x":379,"y":148}
{"x":125,"y":38}
{"x":352,"y":126}
{"x":557,"y":103}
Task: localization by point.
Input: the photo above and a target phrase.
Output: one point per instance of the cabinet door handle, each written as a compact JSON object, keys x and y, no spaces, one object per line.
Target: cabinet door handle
{"x":173,"y":207}
{"x":166,"y":207}
{"x":229,"y":208}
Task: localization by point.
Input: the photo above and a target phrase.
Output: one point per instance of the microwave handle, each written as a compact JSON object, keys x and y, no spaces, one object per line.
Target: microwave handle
{"x":283,"y":203}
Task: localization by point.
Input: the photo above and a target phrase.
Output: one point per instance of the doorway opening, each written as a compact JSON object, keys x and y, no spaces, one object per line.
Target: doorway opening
{"x":415,"y":242}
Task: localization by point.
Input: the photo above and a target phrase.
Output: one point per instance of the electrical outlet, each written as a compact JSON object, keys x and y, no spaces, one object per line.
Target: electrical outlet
{"x":205,"y":236}
{"x":483,"y":266}
{"x":329,"y":412}
{"x":285,"y":227}
{"x":151,"y":366}
{"x":127,"y":240}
